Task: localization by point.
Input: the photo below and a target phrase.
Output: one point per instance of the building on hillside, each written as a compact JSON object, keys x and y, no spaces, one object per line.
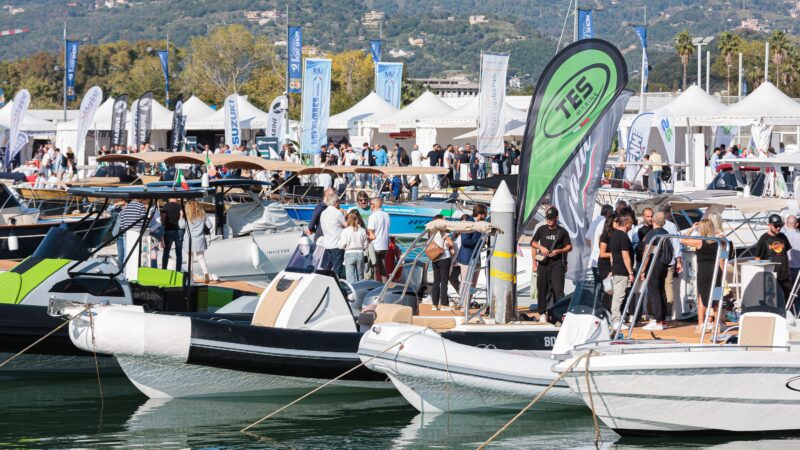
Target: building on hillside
{"x":373,"y":18}
{"x":476,"y":20}
{"x":752,"y":25}
{"x":400,"y":53}
{"x":451,"y":18}
{"x":457,"y":85}
{"x":310,"y":50}
{"x":416,"y":42}
{"x":262,"y":17}
{"x":111,"y":3}
{"x":13,"y":10}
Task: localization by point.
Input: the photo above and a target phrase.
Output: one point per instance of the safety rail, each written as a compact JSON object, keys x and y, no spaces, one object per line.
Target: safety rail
{"x":716,"y":294}
{"x":467,"y":291}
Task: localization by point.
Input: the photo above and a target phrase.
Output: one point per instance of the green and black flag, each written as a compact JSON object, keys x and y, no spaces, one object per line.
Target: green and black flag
{"x":574,"y":92}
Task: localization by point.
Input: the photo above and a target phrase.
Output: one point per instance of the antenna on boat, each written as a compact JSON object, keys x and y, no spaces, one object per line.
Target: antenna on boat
{"x":503,"y":264}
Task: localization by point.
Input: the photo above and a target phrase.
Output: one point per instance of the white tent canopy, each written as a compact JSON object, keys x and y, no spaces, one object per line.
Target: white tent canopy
{"x":693,"y":102}
{"x":251,"y":118}
{"x":426,"y":106}
{"x":467,"y":116}
{"x":766,"y":105}
{"x":32,"y":125}
{"x":196,"y":109}
{"x":371,"y":105}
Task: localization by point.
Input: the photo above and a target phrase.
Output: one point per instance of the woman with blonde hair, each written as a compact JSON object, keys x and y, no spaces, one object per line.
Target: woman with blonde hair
{"x":706,"y":252}
{"x":196,"y":223}
{"x":353,"y":241}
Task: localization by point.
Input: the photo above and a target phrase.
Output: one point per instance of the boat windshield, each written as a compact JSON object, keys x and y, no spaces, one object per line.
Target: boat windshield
{"x":306,"y":258}
{"x":586,"y":299}
{"x":763,"y":294}
{"x":61,"y":243}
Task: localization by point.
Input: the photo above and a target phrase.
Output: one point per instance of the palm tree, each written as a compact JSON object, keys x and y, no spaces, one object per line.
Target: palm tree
{"x":684,"y":47}
{"x":729,"y":44}
{"x":778,"y":46}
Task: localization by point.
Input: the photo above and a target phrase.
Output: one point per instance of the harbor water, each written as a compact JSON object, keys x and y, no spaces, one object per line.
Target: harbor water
{"x":67,"y":412}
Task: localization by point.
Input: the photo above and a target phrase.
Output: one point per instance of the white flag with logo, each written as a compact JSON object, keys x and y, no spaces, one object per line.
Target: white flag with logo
{"x":492,"y":98}
{"x":638,"y":138}
{"x":662,"y":120}
{"x":18,"y":110}
{"x":277,"y":114}
{"x":89,"y":104}
{"x":233,"y":129}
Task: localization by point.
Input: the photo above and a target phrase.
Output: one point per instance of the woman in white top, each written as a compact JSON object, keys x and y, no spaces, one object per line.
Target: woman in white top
{"x":441,"y":269}
{"x":196,"y":222}
{"x":353,"y":241}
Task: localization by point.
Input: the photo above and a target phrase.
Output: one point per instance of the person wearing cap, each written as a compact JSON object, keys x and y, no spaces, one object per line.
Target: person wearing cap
{"x":793,"y":234}
{"x":551,"y":243}
{"x":774,"y":246}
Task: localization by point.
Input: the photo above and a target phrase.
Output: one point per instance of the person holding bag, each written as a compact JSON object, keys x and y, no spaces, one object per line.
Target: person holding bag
{"x":551,"y":243}
{"x":439,"y":251}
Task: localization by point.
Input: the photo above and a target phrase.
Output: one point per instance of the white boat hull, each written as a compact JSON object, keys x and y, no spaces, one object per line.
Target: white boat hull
{"x":686,"y":391}
{"x":438,"y":375}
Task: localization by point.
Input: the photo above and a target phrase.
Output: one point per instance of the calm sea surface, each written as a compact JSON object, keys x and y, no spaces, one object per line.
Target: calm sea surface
{"x":67,"y":413}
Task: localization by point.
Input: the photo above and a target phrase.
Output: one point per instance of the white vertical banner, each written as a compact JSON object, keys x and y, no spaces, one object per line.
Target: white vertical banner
{"x":662,"y":119}
{"x":22,"y":101}
{"x":725,"y":135}
{"x":638,"y":138}
{"x":233,"y":128}
{"x":277,"y":113}
{"x":316,"y":104}
{"x":389,"y":81}
{"x":492,"y":98}
{"x":89,"y":104}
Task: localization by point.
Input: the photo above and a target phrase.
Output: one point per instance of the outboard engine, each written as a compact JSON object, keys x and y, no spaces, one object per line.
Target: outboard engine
{"x":406,"y":292}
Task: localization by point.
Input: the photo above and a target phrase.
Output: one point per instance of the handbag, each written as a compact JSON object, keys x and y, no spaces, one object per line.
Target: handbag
{"x":434,"y":251}
{"x":608,"y":285}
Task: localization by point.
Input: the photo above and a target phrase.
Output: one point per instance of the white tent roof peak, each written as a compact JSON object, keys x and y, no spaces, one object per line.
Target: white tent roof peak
{"x":765,"y":104}
{"x":194,"y":107}
{"x":372,"y":104}
{"x":426,"y":106}
{"x":693,"y":102}
{"x":29,"y":121}
{"x":468,"y":114}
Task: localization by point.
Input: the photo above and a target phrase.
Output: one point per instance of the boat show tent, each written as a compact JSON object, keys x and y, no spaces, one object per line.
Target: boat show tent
{"x":32,"y":125}
{"x":67,"y":133}
{"x":251,"y":118}
{"x":766,"y":105}
{"x":369,"y":106}
{"x":195,"y":109}
{"x":426,"y":106}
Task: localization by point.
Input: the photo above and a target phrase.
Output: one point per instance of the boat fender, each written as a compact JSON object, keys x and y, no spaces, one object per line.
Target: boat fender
{"x":13,"y":242}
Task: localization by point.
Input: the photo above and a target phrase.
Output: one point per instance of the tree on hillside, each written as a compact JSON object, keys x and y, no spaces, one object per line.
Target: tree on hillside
{"x":220,"y":64}
{"x":778,"y":47}
{"x":728,"y":44}
{"x":352,"y":78}
{"x":684,"y":47}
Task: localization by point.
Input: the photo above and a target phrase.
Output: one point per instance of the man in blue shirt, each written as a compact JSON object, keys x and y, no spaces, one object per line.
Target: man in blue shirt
{"x":381,"y":160}
{"x":469,"y":244}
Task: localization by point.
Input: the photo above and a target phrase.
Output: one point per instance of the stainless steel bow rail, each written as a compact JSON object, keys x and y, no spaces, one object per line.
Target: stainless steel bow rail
{"x":651,"y":251}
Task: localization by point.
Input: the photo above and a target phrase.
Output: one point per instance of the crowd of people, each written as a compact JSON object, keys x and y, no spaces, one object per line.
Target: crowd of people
{"x":49,"y":167}
{"x":619,"y":242}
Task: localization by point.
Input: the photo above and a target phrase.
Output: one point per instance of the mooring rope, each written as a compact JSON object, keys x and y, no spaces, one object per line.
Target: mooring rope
{"x":8,"y":360}
{"x":320,"y":387}
{"x":597,"y":436}
{"x":533,"y":402}
{"x":96,"y":365}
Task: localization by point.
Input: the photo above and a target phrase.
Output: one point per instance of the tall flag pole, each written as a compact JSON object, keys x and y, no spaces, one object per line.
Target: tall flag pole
{"x":573,"y":95}
{"x":65,"y":71}
{"x":375,"y":50}
{"x":163,"y":56}
{"x":288,"y":97}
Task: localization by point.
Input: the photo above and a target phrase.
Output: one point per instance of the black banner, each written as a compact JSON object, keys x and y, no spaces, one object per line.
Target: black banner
{"x":572,"y":95}
{"x":118,"y":117}
{"x":177,"y":125}
{"x":143,"y":117}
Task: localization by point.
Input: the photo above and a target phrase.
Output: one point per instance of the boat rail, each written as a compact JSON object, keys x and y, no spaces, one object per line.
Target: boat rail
{"x":651,"y":250}
{"x":635,"y":346}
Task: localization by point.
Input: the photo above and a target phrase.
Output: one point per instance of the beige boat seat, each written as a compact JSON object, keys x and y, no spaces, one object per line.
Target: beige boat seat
{"x":763,"y":330}
{"x":273,"y":301}
{"x":390,"y":313}
{"x":436,"y":323}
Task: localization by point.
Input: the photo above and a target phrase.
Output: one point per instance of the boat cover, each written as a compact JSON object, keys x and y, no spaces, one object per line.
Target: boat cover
{"x":253,"y":216}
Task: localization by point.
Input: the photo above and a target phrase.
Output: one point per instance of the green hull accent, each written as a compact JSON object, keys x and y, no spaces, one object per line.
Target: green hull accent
{"x":15,"y":285}
{"x":148,"y":276}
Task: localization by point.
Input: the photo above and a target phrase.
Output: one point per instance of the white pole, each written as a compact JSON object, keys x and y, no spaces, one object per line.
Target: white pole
{"x":740,"y":75}
{"x":575,"y":23}
{"x":699,"y":65}
{"x":708,"y":70}
{"x":766,"y":61}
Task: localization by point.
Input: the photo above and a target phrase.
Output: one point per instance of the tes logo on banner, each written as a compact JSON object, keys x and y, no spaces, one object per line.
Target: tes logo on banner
{"x":575,"y":100}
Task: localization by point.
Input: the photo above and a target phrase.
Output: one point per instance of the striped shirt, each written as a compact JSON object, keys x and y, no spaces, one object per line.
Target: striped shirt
{"x":130,"y":215}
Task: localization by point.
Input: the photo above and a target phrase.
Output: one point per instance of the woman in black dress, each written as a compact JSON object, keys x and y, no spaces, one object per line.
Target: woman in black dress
{"x":706,"y":252}
{"x":604,"y":259}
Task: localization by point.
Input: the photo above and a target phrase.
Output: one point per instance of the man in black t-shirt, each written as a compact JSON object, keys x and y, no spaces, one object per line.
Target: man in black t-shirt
{"x":619,"y":245}
{"x":774,"y":246}
{"x":435,"y":156}
{"x":170,"y":217}
{"x":551,"y":243}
